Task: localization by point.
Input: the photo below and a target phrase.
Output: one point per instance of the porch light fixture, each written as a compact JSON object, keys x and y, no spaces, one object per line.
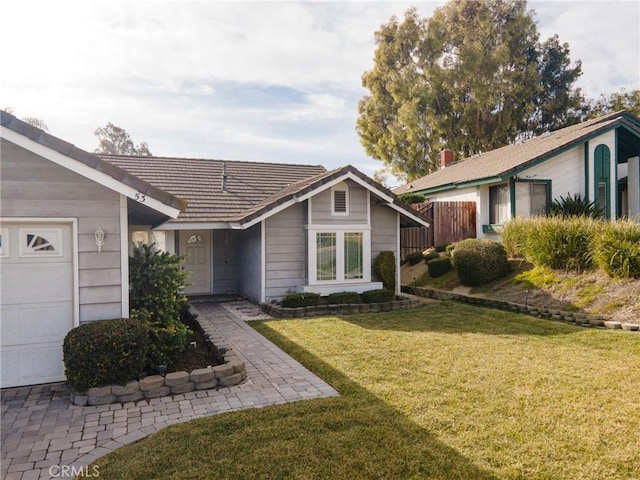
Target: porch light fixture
{"x":99,"y":238}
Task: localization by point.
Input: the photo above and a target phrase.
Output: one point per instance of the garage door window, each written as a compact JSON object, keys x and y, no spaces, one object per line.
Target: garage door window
{"x":40,"y":242}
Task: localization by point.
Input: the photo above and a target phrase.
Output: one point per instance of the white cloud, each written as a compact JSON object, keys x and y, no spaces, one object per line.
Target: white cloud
{"x":247,"y":80}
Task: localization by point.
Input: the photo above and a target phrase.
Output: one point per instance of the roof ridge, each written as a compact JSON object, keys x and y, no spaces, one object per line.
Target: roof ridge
{"x":202,"y":159}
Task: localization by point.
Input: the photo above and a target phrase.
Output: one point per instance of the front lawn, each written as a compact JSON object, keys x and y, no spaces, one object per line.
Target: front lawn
{"x":446,"y":391}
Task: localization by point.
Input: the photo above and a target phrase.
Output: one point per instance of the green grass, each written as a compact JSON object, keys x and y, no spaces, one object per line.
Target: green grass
{"x":446,"y":391}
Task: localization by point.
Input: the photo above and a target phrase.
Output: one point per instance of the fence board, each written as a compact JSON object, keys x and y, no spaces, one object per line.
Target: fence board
{"x":450,"y":222}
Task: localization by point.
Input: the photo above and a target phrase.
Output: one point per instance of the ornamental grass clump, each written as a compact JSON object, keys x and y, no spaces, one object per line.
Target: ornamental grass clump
{"x":479,"y":261}
{"x":617,"y":249}
{"x":559,"y":243}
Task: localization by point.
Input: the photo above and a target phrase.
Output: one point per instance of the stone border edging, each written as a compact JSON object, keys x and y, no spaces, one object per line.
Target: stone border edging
{"x":230,"y":372}
{"x":577,"y":318}
{"x":340,"y":309}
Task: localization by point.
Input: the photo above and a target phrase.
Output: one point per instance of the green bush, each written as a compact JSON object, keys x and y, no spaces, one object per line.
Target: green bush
{"x":411,"y":197}
{"x":340,"y":298}
{"x":414,"y":258}
{"x":156,"y":296}
{"x":439,"y":266}
{"x":294,"y":300}
{"x":105,"y":352}
{"x":431,"y":256}
{"x":378,"y":296}
{"x":479,"y":261}
{"x":384,"y":268}
{"x":442,"y":248}
{"x":617,"y":249}
{"x":555,"y":242}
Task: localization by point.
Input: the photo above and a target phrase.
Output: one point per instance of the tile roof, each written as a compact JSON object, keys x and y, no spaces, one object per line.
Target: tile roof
{"x":502,"y":161}
{"x":199,"y":182}
{"x":94,"y":161}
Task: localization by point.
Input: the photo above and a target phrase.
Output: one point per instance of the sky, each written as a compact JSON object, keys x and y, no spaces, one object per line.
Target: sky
{"x":259,"y":81}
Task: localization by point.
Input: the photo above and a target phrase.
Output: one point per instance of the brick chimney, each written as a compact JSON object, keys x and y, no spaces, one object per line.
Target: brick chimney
{"x":446,"y":158}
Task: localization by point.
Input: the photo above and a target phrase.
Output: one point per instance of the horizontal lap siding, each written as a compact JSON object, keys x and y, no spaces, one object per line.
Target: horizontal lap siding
{"x":384,"y":229}
{"x":286,"y":252}
{"x":35,"y":187}
{"x":566,"y":172}
{"x":321,"y":207}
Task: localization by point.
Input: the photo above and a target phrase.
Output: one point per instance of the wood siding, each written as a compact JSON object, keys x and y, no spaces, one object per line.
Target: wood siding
{"x":384,"y":230}
{"x":321,"y":213}
{"x":36,"y":187}
{"x":286,"y":252}
{"x":250,"y":262}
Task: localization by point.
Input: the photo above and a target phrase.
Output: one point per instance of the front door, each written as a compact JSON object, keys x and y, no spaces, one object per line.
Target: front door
{"x":195,"y":245}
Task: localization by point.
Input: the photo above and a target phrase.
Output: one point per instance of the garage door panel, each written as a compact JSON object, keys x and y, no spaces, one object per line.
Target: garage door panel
{"x":36,"y":301}
{"x":36,"y":283}
{"x":29,"y":365}
{"x":28,"y":324}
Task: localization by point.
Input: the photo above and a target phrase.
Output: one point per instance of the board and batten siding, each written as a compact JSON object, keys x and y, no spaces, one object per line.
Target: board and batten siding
{"x":33,"y":186}
{"x":286,"y":251}
{"x":321,"y":213}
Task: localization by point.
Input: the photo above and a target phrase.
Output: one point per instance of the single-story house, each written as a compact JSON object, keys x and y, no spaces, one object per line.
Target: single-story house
{"x":597,"y":159}
{"x":69,"y":220}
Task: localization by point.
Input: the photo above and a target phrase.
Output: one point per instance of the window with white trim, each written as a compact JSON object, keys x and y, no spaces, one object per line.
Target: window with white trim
{"x":340,"y":199}
{"x":338,"y":256}
{"x":40,"y":242}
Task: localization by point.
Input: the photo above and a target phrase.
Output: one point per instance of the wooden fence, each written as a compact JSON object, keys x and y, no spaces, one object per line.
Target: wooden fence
{"x":450,"y":222}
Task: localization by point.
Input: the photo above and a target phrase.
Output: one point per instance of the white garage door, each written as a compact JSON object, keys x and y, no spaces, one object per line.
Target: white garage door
{"x":36,"y":297}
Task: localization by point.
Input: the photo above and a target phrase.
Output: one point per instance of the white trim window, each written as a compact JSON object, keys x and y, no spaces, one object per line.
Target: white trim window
{"x":340,"y":199}
{"x":40,"y":242}
{"x":338,"y":256}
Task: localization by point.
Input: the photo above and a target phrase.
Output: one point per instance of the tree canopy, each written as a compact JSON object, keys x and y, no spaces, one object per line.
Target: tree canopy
{"x":471,"y":78}
{"x":114,"y":140}
{"x":622,"y":100}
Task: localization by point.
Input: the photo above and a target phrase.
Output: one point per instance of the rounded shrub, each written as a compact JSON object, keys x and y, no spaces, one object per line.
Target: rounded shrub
{"x":295,"y":300}
{"x":384,"y":268}
{"x":341,"y":298}
{"x":415,"y":258}
{"x":431,"y":256}
{"x":105,"y":352}
{"x":378,"y":296}
{"x":617,"y":249}
{"x":479,"y":261}
{"x":438,"y":266}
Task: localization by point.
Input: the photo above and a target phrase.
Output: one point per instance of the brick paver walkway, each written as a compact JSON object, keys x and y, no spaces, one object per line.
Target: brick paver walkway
{"x":43,"y":435}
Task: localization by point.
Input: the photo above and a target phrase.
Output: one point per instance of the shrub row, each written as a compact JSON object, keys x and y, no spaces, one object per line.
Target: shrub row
{"x":576,"y":243}
{"x":295,"y":300}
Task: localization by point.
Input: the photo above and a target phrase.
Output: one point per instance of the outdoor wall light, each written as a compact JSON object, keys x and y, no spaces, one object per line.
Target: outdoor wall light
{"x":99,"y":238}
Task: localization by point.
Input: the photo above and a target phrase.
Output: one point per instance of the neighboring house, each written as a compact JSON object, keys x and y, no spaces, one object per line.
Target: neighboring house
{"x":597,"y":159}
{"x":69,"y":219}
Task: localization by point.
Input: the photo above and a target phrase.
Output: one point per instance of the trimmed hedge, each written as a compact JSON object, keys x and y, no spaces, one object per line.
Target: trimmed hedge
{"x":340,"y":298}
{"x":105,"y":352}
{"x":384,"y":268}
{"x":294,"y":300}
{"x":439,"y":266}
{"x":378,"y":296}
{"x":479,"y":261}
